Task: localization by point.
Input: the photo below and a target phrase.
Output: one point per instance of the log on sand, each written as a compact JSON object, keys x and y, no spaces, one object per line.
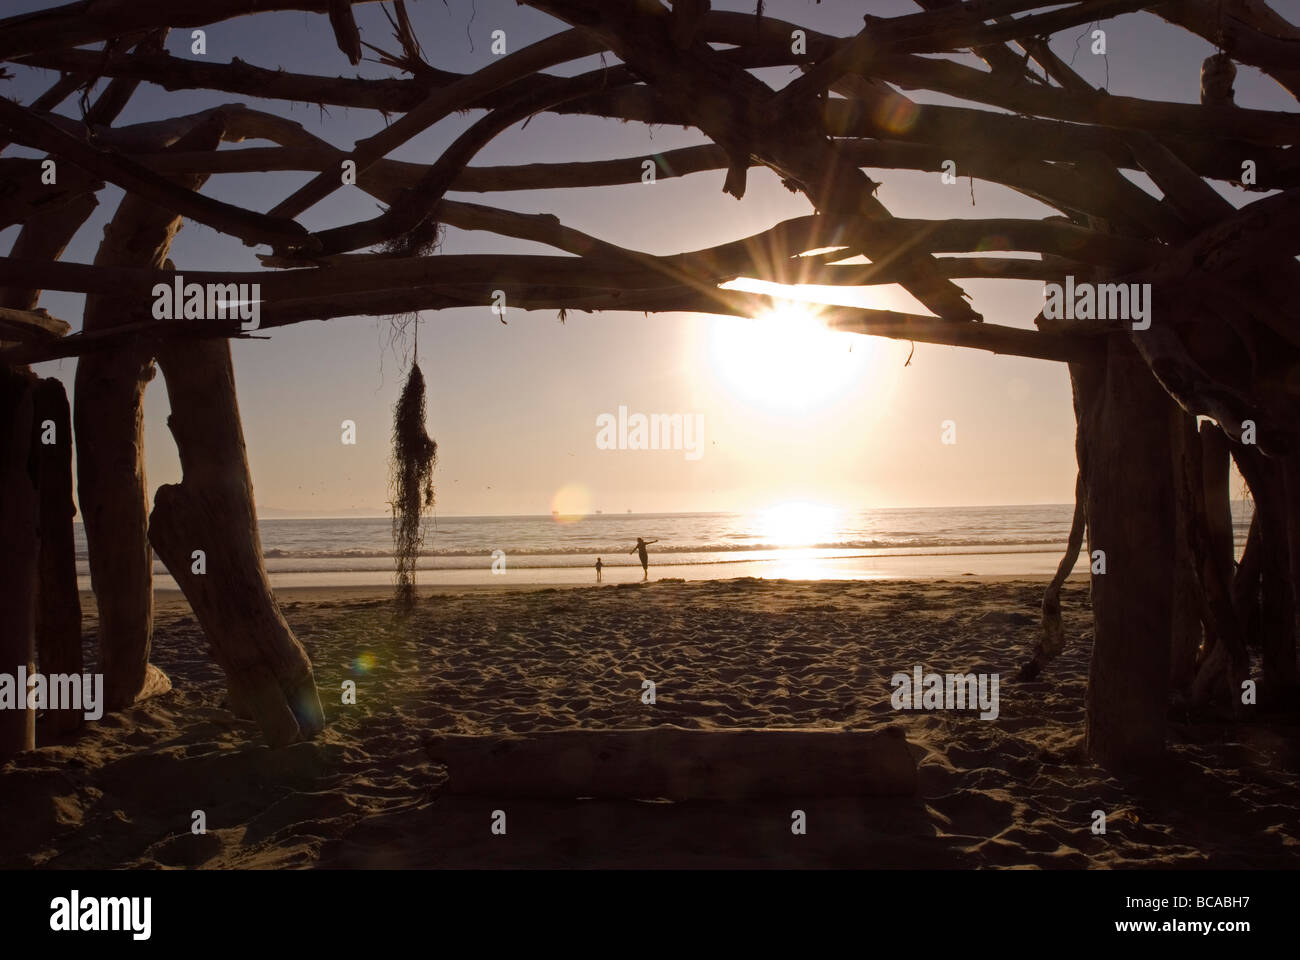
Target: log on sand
{"x":677,"y":764}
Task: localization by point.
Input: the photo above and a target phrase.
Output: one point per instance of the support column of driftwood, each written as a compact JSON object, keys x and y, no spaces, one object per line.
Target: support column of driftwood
{"x":110,"y":445}
{"x":1189,"y":614}
{"x":1245,"y":585}
{"x":212,"y":510}
{"x":1053,"y":639}
{"x":1128,"y":426}
{"x":1216,"y":457}
{"x":1268,"y":486}
{"x":109,"y":419}
{"x":1207,"y":524}
{"x":1291,"y":477}
{"x":18,"y":556}
{"x":58,"y":609}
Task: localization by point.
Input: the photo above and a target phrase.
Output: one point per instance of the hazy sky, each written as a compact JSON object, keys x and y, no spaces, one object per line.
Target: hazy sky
{"x":514,"y":407}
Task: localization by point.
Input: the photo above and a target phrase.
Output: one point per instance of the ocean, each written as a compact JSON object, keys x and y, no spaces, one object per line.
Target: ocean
{"x":793,"y":541}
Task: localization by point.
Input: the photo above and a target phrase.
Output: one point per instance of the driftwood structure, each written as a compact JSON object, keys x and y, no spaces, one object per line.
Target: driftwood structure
{"x":1223,"y":340}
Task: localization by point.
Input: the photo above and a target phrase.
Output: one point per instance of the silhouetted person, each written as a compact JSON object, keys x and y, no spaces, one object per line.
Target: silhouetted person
{"x":640,"y":551}
{"x":598,"y":566}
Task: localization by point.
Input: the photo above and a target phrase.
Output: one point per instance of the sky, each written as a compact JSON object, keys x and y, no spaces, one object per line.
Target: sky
{"x":789,"y":412}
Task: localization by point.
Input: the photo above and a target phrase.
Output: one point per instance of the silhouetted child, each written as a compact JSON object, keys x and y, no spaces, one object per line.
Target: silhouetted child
{"x":598,"y":566}
{"x":640,"y":551}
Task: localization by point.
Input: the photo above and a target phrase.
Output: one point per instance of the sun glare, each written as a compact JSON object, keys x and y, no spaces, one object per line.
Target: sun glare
{"x":786,"y":360}
{"x":797,"y":524}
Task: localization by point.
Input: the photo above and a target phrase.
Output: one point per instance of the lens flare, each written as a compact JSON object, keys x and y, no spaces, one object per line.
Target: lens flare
{"x":898,"y":115}
{"x":992,"y":242}
{"x":571,"y":503}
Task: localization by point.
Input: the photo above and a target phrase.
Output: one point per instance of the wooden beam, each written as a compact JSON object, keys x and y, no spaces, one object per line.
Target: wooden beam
{"x":1273,"y":127}
{"x":560,"y":48}
{"x":388,"y":94}
{"x":24,"y":196}
{"x":416,"y":204}
{"x":37,"y":132}
{"x":90,"y":21}
{"x":31,"y":326}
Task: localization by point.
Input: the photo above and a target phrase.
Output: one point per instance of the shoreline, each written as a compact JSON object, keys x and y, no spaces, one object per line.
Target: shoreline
{"x":893,"y":567}
{"x":167,"y":598}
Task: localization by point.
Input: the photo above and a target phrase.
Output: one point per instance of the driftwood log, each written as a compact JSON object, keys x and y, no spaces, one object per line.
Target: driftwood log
{"x":677,"y":764}
{"x":1052,"y":641}
{"x":1129,"y":424}
{"x":1246,"y":584}
{"x":19,"y":555}
{"x":58,"y":609}
{"x":211,"y":510}
{"x":111,"y":483}
{"x":1277,"y":598}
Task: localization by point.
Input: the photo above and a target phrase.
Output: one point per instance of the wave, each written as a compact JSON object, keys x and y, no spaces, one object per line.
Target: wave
{"x":556,"y":562}
{"x":284,"y":555}
{"x":622,"y":548}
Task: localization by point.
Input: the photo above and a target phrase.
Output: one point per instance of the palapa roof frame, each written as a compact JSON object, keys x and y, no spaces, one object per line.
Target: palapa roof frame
{"x":1224,"y":341}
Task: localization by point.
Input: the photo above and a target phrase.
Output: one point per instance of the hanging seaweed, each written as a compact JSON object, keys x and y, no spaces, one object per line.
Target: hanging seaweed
{"x":411,"y":482}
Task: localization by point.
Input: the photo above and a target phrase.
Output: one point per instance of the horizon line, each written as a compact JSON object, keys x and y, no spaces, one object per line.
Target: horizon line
{"x":290,"y":515}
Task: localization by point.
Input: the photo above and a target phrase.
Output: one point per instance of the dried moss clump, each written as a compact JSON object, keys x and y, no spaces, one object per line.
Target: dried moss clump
{"x":411,"y":482}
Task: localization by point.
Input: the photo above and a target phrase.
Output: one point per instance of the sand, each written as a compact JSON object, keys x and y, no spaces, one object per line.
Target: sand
{"x":1010,"y":792}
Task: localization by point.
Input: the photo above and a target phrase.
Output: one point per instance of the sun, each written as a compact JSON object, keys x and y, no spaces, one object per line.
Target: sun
{"x":785,"y":360}
{"x":797,"y":524}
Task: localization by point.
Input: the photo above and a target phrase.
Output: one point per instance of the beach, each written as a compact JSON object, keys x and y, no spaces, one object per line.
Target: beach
{"x":1014,"y":791}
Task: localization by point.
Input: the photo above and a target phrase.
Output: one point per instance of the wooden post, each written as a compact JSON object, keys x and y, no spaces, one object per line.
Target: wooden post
{"x":212,"y":511}
{"x":18,"y":557}
{"x":1215,"y":460}
{"x":1052,"y":641}
{"x":1206,"y":523}
{"x":1291,"y":478}
{"x":1246,"y":584}
{"x":1186,"y":627}
{"x":109,"y":418}
{"x":110,"y":445}
{"x":58,"y":612}
{"x":1268,"y":486}
{"x":1129,"y":425}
